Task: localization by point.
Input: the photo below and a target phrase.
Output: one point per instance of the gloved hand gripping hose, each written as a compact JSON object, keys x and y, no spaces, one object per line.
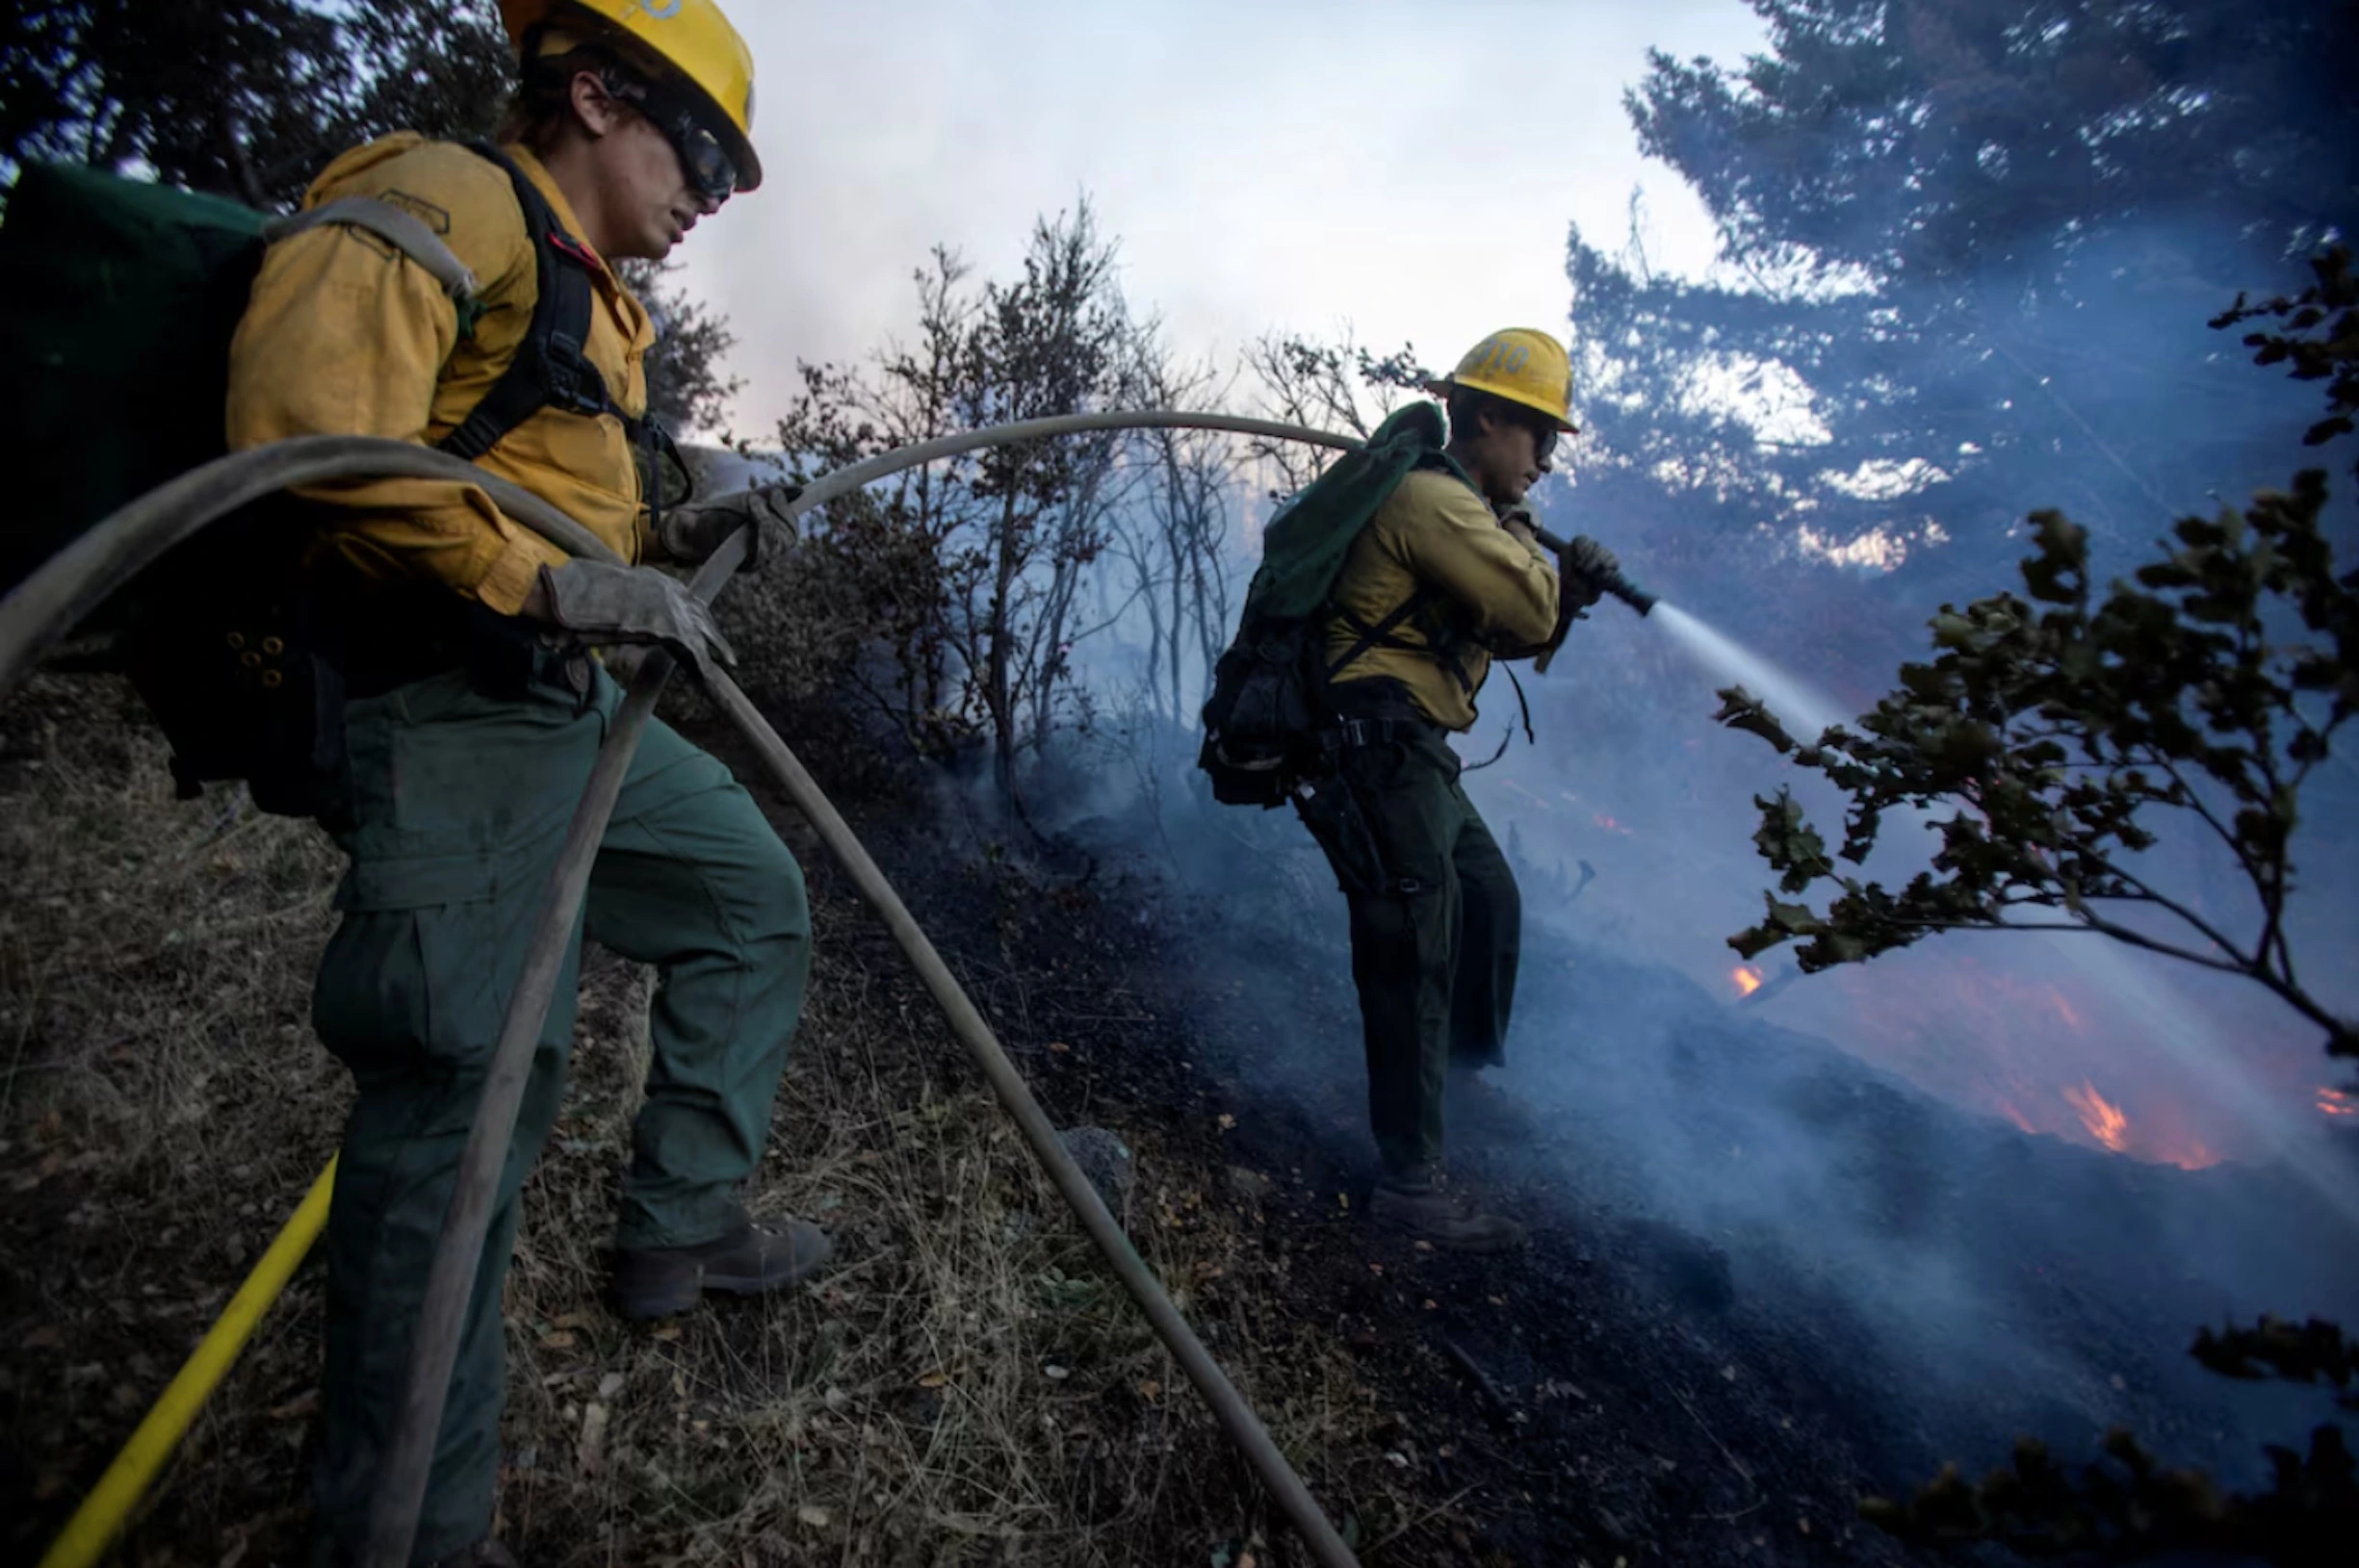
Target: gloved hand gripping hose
{"x":1620,"y":586}
{"x":601,"y":604}
{"x":44,"y":609}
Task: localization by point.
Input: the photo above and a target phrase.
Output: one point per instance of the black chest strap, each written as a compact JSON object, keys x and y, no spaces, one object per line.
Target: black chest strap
{"x":1440,"y":645}
{"x":551,"y":368}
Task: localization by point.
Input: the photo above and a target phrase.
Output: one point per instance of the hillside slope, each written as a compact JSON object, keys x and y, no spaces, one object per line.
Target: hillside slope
{"x":1661,"y":1380}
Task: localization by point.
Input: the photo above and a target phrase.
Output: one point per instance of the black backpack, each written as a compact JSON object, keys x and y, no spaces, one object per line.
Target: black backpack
{"x":1269,"y":689}
{"x":120,"y":300}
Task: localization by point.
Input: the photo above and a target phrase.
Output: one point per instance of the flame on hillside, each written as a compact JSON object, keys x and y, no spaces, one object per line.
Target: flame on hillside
{"x":1748,"y":979}
{"x":2105,"y":1121}
{"x":2027,"y":1049}
{"x":2338,"y":1102}
{"x":2110,"y":1125}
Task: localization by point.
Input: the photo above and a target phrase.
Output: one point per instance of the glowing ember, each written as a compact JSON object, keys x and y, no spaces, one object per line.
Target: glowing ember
{"x":2337,"y":1102}
{"x":1527,"y":794}
{"x":2187,"y":1153}
{"x":1748,"y":979}
{"x":1609,"y":824}
{"x":2104,"y":1120}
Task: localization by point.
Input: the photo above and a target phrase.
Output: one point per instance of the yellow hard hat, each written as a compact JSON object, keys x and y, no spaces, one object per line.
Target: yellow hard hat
{"x":1522,"y":365}
{"x":693,"y":36}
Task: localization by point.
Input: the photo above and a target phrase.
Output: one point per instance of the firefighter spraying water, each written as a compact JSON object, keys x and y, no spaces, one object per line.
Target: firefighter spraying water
{"x":1388,"y":590}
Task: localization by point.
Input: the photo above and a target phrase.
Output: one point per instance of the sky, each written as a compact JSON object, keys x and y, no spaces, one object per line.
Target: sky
{"x":1405,"y":166}
{"x":1410,"y":168}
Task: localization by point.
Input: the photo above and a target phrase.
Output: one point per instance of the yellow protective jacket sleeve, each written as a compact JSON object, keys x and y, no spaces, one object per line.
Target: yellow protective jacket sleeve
{"x":346,"y":336}
{"x":1435,"y":532}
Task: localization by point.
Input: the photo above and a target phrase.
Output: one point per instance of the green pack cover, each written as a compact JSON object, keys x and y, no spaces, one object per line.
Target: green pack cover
{"x":1268,"y":697}
{"x":1303,"y":547}
{"x":118,"y":299}
{"x":118,"y":302}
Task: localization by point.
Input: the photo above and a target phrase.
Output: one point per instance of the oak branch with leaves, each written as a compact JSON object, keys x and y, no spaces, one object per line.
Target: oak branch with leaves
{"x":2057,"y":725}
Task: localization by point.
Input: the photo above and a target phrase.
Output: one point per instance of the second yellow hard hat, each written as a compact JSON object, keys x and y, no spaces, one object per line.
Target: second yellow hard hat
{"x":1522,"y":365}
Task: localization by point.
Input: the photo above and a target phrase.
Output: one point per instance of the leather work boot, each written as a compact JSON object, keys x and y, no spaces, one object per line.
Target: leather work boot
{"x":1420,"y":1205}
{"x":660,"y":1281}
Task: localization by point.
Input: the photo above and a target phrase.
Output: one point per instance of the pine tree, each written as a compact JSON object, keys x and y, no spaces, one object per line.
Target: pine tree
{"x":1971,"y":246}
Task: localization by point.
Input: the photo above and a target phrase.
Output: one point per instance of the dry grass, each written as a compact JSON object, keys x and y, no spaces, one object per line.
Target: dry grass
{"x":964,"y":1387}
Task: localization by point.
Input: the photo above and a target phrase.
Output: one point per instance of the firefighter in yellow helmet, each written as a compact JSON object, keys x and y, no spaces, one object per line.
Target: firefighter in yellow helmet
{"x":473,"y":709}
{"x":1445,"y":579}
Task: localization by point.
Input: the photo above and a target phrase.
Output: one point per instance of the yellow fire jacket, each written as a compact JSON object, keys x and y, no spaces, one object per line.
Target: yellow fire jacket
{"x":346,"y":336}
{"x":1437,"y":533}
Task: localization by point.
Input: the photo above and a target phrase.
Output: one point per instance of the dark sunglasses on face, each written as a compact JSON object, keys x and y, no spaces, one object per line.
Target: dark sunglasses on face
{"x":1543,"y":437}
{"x":703,"y":158}
{"x":704,"y":162}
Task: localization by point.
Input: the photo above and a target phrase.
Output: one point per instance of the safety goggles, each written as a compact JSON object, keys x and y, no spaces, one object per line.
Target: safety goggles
{"x":1545,"y":433}
{"x":704,"y":160}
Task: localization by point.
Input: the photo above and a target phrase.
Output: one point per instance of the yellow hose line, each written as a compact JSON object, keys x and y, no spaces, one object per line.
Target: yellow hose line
{"x":118,"y":1491}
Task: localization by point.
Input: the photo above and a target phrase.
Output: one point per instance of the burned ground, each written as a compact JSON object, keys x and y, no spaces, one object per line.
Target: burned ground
{"x":966,"y":1385}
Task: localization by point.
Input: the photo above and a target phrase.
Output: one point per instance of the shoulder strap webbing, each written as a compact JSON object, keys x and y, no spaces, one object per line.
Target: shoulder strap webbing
{"x":550,"y":368}
{"x":1441,"y":644}
{"x":1435,"y":617}
{"x":404,"y":230}
{"x":1379,"y":634}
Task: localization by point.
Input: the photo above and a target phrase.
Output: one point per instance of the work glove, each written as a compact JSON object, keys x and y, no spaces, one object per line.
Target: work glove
{"x":602,"y":604}
{"x":690,"y":533}
{"x":1518,"y":521}
{"x":1584,"y":569}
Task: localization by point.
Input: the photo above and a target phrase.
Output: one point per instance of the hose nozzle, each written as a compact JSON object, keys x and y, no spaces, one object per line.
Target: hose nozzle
{"x":1620,"y":586}
{"x":1629,"y":593}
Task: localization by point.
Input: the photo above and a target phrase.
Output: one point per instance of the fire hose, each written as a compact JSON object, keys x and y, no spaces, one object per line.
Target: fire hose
{"x":44,"y":609}
{"x":87,"y":1534}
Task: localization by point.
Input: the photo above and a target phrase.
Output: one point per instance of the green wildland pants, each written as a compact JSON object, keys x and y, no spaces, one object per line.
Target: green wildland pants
{"x":461,"y":803}
{"x":1435,"y":920}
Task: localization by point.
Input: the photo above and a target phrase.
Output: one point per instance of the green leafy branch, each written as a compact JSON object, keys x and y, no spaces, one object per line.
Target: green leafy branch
{"x":2129,"y":1505}
{"x":2306,"y":1352}
{"x":2053,"y":723}
{"x":2321,"y":343}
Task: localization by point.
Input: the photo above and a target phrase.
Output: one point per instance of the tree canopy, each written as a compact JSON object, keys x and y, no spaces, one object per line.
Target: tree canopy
{"x":1967,"y":252}
{"x":251,"y":98}
{"x":245,"y":98}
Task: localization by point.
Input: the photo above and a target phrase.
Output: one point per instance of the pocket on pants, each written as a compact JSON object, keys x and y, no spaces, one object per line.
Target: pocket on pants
{"x":404,"y":989}
{"x":1332,"y":813}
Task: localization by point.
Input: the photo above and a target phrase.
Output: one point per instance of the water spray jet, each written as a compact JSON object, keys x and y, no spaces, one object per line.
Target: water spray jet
{"x":2165,"y":1023}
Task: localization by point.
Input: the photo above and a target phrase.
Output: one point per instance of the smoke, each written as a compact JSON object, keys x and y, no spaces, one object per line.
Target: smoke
{"x":1990,"y":1184}
{"x":1909,"y":1237}
{"x":1888,"y":1157}
{"x":1895,"y":1161}
{"x":2140,"y":1002}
